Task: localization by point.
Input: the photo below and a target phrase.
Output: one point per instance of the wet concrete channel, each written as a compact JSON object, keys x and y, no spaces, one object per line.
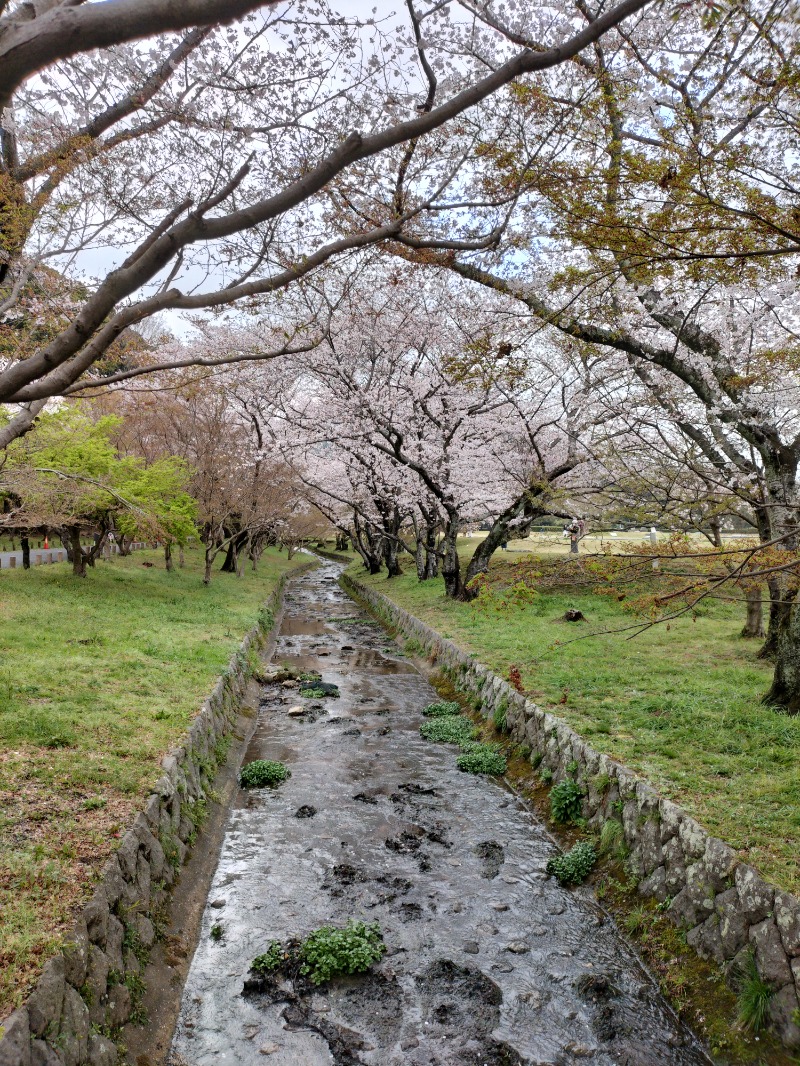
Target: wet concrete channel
{"x":489,"y":961}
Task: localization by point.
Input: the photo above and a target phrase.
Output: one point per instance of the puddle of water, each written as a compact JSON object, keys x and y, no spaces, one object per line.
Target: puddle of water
{"x":489,"y":961}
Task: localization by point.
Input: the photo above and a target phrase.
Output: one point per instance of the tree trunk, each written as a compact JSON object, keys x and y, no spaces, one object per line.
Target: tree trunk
{"x":451,"y":564}
{"x":181,"y":557}
{"x":168,"y":556}
{"x":229,"y":565}
{"x":207,"y":570}
{"x":785,"y":690}
{"x":124,"y":544}
{"x":770,"y":646}
{"x":390,"y":554}
{"x":498,"y":534}
{"x":754,"y":626}
{"x":716,"y":532}
{"x":25,"y":544}
{"x":78,"y":557}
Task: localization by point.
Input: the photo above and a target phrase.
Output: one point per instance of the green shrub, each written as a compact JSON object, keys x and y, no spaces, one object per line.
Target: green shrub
{"x":754,"y":996}
{"x":263,"y":773}
{"x":481,"y":759}
{"x":452,"y":729}
{"x":272,"y":959}
{"x":575,"y":866}
{"x":442,"y":709}
{"x":565,"y":801}
{"x":328,"y":951}
{"x":546,"y":775}
{"x":536,"y":760}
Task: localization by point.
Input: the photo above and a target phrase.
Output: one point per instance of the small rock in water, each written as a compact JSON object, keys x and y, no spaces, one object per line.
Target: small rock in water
{"x":306,"y":811}
{"x":296,"y":711}
{"x":470,"y":947}
{"x":517,"y":947}
{"x":580,"y":1051}
{"x":538,"y":930}
{"x":499,"y":906}
{"x":409,"y":1043}
{"x":457,"y":908}
{"x":269,"y":1049}
{"x":556,"y":908}
{"x":218,"y":904}
{"x":502,"y":967}
{"x":289,"y":684}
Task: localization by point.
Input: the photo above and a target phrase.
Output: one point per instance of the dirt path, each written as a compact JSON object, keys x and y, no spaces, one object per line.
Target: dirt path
{"x":488,"y":962}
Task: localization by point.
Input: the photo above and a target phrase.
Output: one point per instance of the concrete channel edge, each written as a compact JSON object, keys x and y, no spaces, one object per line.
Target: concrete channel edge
{"x":726,"y":908}
{"x":84,"y":992}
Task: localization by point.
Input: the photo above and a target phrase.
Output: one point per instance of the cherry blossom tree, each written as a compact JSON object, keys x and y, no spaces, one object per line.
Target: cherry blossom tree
{"x":214,"y":166}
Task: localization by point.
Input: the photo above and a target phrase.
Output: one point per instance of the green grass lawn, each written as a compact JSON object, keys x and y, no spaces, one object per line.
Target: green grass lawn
{"x":98,"y":679}
{"x":681,"y":706}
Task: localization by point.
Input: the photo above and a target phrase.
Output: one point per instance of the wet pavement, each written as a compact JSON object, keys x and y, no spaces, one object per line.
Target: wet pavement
{"x":489,"y":961}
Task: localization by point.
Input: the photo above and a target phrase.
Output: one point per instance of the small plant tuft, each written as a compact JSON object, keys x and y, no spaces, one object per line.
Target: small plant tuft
{"x":325,"y":953}
{"x":481,"y":759}
{"x":217,"y":932}
{"x":565,"y":801}
{"x":272,"y":959}
{"x":499,"y":719}
{"x":612,"y":840}
{"x":328,"y":952}
{"x":263,"y":773}
{"x":442,"y":709}
{"x":546,"y":775}
{"x":754,"y":996}
{"x":575,"y":866}
{"x":452,"y":729}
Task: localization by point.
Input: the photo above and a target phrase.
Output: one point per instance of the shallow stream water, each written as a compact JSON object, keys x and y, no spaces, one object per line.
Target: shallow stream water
{"x":489,"y":961}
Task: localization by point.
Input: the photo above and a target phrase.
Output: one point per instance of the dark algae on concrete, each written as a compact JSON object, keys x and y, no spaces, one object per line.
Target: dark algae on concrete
{"x":484,"y":960}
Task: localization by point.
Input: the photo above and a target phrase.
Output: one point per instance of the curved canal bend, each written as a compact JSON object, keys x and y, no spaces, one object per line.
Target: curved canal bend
{"x":489,"y":961}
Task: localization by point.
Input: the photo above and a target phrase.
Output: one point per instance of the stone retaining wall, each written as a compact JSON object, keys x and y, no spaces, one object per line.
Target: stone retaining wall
{"x":90,"y":989}
{"x":725,"y":906}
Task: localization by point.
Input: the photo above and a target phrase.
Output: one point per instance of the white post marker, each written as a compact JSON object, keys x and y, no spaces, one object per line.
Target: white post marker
{"x":654,"y":541}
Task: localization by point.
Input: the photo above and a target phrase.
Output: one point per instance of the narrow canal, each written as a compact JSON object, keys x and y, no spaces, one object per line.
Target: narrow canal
{"x":489,"y":961}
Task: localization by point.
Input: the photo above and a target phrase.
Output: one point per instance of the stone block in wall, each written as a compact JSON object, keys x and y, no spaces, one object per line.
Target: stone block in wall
{"x":693,"y":837}
{"x":127,"y":853}
{"x":705,"y":939}
{"x":95,"y":914}
{"x":770,"y":957}
{"x":118,"y":1006}
{"x":73,"y":1037}
{"x":655,"y":885}
{"x":787,"y":917}
{"x":47,"y":999}
{"x":43,"y":1055}
{"x":114,"y":941}
{"x":675,"y":864}
{"x":733,"y":926}
{"x":102,"y":1051}
{"x":649,"y":844}
{"x":76,"y":953}
{"x":114,"y":884}
{"x":15,"y":1045}
{"x":671,"y":816}
{"x":719,"y":861}
{"x":784,"y":1010}
{"x":96,"y":987}
{"x":756,"y":897}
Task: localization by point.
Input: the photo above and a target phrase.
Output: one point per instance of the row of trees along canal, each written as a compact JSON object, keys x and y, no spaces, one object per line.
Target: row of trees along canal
{"x":558,"y":273}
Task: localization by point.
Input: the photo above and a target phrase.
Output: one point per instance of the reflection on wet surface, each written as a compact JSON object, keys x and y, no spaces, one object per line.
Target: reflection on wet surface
{"x":489,"y":961}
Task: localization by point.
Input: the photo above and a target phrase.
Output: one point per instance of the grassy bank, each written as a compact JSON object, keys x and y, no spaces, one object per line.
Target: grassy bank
{"x":98,"y":678}
{"x":679,"y":705}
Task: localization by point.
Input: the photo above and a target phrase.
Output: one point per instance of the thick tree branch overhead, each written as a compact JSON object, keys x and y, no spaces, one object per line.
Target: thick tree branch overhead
{"x":29,"y":45}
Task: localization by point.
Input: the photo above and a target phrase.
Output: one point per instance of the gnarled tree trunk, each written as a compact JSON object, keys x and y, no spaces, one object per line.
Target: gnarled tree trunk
{"x":754,"y":625}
